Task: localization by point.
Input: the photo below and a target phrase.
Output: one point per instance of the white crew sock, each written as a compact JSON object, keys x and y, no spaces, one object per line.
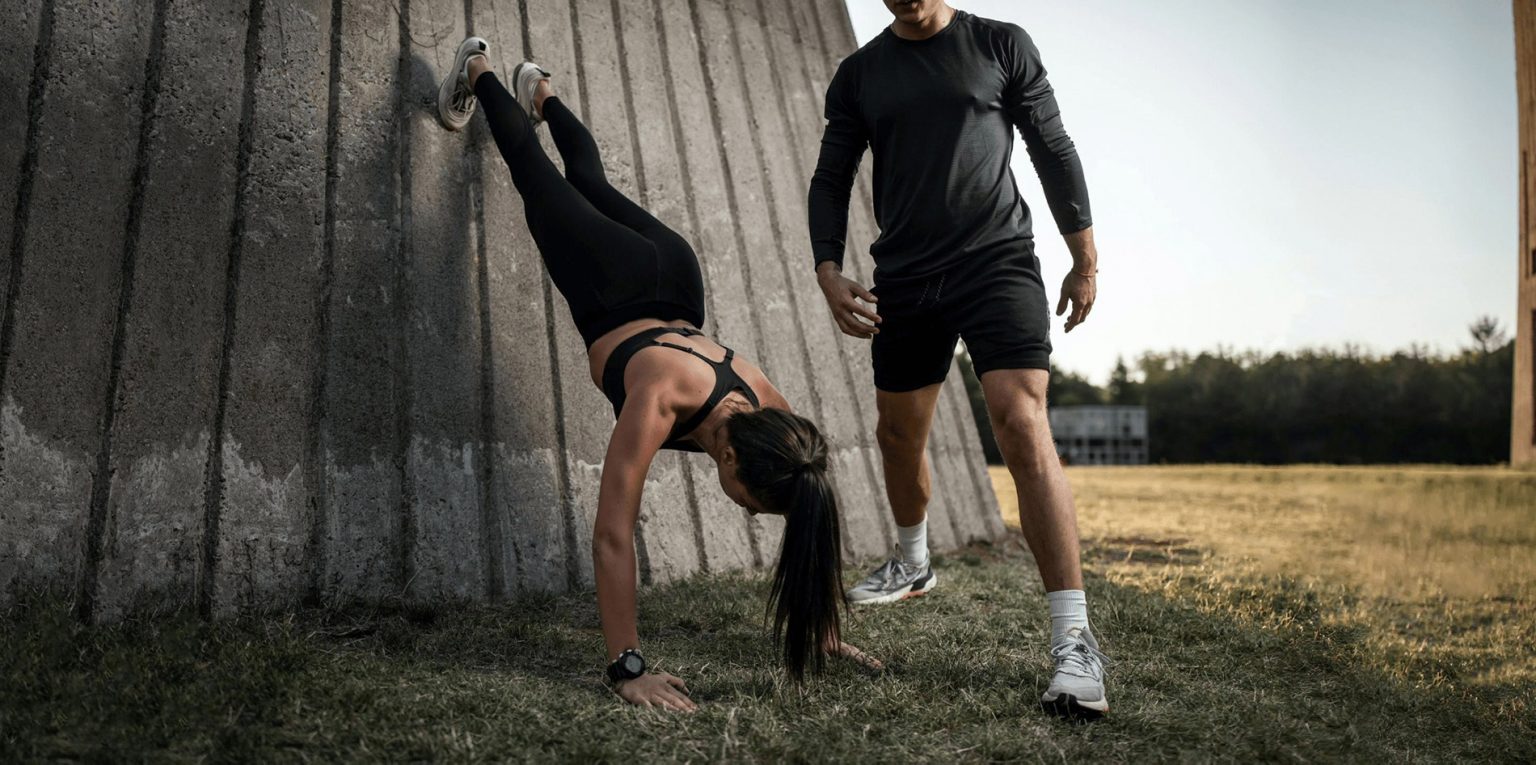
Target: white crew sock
{"x":1069,"y":608}
{"x":913,"y":541}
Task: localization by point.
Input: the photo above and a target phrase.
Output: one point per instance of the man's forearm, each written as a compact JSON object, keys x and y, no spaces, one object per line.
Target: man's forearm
{"x":1085,"y":257}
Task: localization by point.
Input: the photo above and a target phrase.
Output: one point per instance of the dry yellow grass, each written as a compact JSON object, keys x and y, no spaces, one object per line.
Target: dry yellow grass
{"x":1437,"y":565}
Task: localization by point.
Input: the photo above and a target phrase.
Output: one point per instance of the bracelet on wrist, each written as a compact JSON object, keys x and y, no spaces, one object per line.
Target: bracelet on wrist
{"x":1075,"y":272}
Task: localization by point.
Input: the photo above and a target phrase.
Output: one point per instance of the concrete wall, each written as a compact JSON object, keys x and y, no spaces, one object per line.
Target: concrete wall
{"x":1522,"y":447}
{"x":271,"y":336}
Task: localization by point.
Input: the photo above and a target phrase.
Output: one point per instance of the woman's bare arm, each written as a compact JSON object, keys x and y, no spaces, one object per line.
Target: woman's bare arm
{"x":639,"y":434}
{"x":641,"y":430}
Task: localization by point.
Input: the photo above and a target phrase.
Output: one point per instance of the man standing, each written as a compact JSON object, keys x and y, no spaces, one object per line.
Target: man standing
{"x":936,"y":97}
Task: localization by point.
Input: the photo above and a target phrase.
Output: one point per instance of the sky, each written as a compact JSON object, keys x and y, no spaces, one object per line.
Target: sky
{"x":1278,"y":174}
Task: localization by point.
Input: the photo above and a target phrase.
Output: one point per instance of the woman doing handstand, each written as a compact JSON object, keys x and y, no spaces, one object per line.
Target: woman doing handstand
{"x":637,"y":297}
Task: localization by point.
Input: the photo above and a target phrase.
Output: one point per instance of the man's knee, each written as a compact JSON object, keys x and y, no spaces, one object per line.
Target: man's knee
{"x":1024,"y":422}
{"x":898,"y":438}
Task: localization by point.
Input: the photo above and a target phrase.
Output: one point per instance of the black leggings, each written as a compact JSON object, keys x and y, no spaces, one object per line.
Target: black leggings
{"x":612,"y":260}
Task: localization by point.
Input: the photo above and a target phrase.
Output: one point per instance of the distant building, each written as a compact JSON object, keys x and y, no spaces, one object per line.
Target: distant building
{"x":1522,"y":447}
{"x":1101,"y":435}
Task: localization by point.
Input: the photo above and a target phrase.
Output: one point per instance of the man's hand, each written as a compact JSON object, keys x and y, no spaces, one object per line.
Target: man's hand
{"x":1080,"y":291}
{"x":843,"y":295}
{"x":657,"y":689}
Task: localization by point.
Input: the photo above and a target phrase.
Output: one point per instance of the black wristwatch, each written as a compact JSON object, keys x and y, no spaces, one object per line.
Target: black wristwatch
{"x":628,"y":666}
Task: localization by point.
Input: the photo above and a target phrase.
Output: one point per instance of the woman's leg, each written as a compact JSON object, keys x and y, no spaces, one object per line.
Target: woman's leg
{"x":582,"y":248}
{"x":584,"y":169}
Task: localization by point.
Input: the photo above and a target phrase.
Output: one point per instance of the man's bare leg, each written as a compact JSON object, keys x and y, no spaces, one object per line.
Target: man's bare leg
{"x":902,"y":433}
{"x":1017,"y":407}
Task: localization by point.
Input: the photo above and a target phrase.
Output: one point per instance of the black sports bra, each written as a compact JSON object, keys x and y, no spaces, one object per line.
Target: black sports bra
{"x":726,"y":380}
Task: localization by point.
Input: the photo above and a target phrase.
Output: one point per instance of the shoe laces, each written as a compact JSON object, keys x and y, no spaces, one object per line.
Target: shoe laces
{"x":896,"y":569}
{"x":463,"y":101}
{"x":1075,"y":655}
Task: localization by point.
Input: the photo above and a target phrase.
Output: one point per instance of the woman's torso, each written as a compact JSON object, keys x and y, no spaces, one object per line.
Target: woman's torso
{"x":692,"y":376}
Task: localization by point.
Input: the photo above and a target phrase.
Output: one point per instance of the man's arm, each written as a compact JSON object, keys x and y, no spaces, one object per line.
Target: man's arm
{"x":843,"y":142}
{"x":842,"y":147}
{"x":1031,"y":105}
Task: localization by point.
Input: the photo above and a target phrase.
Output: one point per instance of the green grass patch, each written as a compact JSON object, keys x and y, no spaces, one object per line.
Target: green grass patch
{"x":1205,"y":667}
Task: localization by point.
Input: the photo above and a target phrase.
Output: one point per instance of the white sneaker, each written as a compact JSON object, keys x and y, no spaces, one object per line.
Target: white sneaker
{"x":455,"y":98}
{"x":525,"y":82}
{"x":1077,"y":689}
{"x":896,"y":580}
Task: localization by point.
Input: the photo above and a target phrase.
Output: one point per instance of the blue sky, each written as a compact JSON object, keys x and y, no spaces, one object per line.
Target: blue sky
{"x":1276,"y":174}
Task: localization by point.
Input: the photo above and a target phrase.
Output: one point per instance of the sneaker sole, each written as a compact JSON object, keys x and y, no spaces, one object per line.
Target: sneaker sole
{"x":897,"y":597}
{"x":1067,"y":707}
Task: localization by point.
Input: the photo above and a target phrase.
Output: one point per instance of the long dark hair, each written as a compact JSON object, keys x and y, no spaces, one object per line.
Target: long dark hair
{"x":782,"y":461}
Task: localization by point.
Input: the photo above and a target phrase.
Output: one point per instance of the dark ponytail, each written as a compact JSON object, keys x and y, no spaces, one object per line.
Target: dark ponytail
{"x":782,"y":461}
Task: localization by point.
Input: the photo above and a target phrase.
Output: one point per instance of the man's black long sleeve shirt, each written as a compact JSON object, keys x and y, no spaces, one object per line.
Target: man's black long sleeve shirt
{"x":939,"y":115}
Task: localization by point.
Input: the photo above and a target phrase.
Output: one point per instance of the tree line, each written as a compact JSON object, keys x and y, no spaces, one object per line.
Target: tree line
{"x":1338,"y":406}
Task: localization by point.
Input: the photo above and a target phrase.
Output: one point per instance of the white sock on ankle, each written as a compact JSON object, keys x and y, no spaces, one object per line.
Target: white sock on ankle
{"x":1069,"y":608}
{"x":914,"y":542}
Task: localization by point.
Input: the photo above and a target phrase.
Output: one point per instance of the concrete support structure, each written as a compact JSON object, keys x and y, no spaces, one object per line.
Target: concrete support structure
{"x":1522,"y":446}
{"x":268,"y":335}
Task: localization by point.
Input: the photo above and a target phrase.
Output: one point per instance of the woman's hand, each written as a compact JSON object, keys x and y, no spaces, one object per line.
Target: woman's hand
{"x":657,"y":689}
{"x":845,"y":651}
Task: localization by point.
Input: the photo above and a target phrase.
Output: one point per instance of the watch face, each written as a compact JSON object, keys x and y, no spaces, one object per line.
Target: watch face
{"x":633,"y":665}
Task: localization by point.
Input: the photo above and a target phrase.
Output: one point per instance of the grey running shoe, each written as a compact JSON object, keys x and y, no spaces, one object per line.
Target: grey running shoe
{"x":1077,"y":688}
{"x":896,"y":580}
{"x":525,"y":82}
{"x":455,"y":99}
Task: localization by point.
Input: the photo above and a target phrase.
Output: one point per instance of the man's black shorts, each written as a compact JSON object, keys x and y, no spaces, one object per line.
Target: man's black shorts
{"x":996,"y":302}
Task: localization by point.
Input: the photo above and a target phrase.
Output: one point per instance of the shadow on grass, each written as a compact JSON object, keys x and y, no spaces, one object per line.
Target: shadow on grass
{"x":1247,"y":670}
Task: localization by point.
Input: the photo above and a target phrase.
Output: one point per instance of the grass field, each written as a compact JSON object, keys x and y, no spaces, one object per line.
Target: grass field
{"x":1294,"y":614}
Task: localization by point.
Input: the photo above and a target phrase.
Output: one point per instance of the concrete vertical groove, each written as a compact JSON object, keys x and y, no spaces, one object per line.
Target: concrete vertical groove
{"x":661,"y":58}
{"x":96,"y":543}
{"x":401,"y":304}
{"x":760,"y":222}
{"x":968,"y":443}
{"x":266,"y":532}
{"x":442,"y":325}
{"x":587,"y":416}
{"x":362,"y":396}
{"x":317,"y":493}
{"x":527,"y":501}
{"x":24,"y":56}
{"x":213,"y":480}
{"x":496,"y":546}
{"x":731,"y":540}
{"x":83,"y":159}
{"x":668,"y":524}
{"x":728,"y":144}
{"x":565,"y":476}
{"x":808,"y":147}
{"x":322,"y":361}
{"x":860,"y":509}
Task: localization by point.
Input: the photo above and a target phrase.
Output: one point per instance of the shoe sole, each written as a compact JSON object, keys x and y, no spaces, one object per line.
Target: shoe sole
{"x":450,"y":83}
{"x":1067,"y":707}
{"x":897,"y":597}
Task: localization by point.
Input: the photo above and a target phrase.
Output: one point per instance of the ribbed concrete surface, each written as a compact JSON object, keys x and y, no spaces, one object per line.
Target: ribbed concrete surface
{"x":271,"y":336}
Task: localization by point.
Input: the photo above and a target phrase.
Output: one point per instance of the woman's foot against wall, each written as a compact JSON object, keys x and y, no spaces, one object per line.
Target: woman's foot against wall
{"x":456,"y":94}
{"x":531,"y":86}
